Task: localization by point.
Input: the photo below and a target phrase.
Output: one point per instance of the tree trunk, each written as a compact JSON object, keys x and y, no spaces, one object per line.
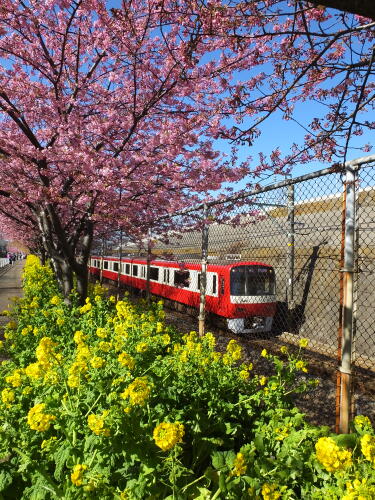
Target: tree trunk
{"x":67,"y":281}
{"x":82,"y":284}
{"x":69,"y":253}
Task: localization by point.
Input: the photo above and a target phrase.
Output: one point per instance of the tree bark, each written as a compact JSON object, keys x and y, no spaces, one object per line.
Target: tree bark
{"x":69,"y":256}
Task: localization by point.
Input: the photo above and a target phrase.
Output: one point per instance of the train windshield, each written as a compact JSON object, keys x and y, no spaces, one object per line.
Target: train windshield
{"x":252,"y":280}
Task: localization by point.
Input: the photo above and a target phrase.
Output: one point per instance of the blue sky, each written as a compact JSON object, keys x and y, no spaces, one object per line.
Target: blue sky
{"x":277,"y":132}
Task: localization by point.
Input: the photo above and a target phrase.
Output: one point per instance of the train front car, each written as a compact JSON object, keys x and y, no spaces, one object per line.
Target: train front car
{"x":252,"y":298}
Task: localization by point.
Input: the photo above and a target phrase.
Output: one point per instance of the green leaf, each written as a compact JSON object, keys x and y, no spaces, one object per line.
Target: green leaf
{"x":147,"y":470}
{"x":222,"y":460}
{"x":5,"y":480}
{"x":345,"y":440}
{"x":212,"y":475}
{"x":61,"y":456}
{"x":204,"y":494}
{"x":259,"y":444}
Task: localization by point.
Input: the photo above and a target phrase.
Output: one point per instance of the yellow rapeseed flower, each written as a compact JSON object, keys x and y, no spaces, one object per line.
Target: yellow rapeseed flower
{"x":362,"y":421}
{"x":97,"y":362}
{"x":26,"y":330}
{"x":239,"y":465}
{"x":45,"y":352}
{"x":34,"y":370}
{"x":137,"y":392}
{"x":38,"y":420}
{"x":105,"y":346}
{"x":102,"y":333}
{"x":359,"y":490}
{"x":166,"y":435}
{"x":303,"y":342}
{"x":368,"y":447}
{"x":301,"y":365}
{"x":166,"y":339}
{"x":184,"y":356}
{"x":270,"y":492}
{"x":96,"y":424}
{"x":7,"y":396}
{"x":86,"y":308}
{"x":264,"y":353}
{"x":79,"y":337}
{"x":55,"y":301}
{"x":77,"y":474}
{"x":126,"y":360}
{"x":331,"y":456}
{"x":282,"y":432}
{"x":51,"y":377}
{"x":15,"y":379}
{"x":234,"y":350}
{"x":141,"y":347}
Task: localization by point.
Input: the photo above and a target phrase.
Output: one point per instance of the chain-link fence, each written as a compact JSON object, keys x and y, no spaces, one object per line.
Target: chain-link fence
{"x":301,"y":252}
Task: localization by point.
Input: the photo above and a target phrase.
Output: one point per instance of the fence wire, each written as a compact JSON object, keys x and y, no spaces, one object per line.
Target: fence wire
{"x":298,"y":228}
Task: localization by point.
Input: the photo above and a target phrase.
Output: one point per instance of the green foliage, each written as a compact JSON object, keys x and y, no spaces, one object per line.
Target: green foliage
{"x":105,"y":401}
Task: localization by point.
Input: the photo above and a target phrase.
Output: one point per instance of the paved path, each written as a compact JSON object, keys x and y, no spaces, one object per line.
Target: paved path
{"x":10,"y":286}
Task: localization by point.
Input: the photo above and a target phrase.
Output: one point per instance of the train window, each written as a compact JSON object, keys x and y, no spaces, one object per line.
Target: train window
{"x":143,"y":271}
{"x":154,"y":273}
{"x":115,"y":267}
{"x":135,"y":270}
{"x":182,"y":278}
{"x":252,"y":280}
{"x":199,"y":282}
{"x":106,"y":264}
{"x":127,"y":269}
{"x":214,"y":285}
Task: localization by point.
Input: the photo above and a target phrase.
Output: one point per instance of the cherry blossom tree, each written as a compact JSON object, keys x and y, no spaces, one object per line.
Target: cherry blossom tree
{"x":109,"y":116}
{"x":304,"y":51}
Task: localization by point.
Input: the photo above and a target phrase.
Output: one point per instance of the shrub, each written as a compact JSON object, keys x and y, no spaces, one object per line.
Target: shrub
{"x":106,"y":401}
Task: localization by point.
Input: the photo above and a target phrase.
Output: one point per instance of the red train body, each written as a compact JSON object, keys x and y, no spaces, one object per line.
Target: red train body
{"x":243,"y":293}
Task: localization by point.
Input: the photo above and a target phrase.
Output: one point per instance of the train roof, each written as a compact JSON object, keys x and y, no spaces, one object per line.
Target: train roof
{"x":191,"y":265}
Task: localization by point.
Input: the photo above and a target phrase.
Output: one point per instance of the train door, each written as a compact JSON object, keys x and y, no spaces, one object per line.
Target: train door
{"x":222,"y":295}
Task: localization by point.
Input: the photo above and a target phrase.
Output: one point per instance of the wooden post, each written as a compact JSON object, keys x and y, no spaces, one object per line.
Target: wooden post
{"x":347,"y":320}
{"x":119,"y":267}
{"x":148,"y":265}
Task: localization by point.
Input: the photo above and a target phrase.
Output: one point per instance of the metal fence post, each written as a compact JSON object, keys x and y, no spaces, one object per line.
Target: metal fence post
{"x":291,"y":251}
{"x":148,"y":265}
{"x":203,"y":281}
{"x":347,"y":313}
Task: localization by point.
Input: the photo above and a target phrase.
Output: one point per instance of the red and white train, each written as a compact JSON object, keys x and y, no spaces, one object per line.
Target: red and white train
{"x":243,"y":294}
